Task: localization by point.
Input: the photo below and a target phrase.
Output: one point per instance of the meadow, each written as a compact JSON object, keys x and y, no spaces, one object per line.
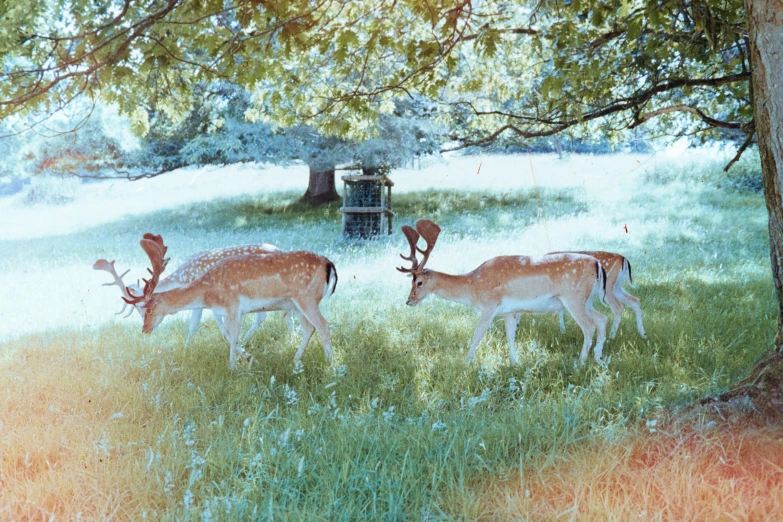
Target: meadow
{"x":98,"y":421}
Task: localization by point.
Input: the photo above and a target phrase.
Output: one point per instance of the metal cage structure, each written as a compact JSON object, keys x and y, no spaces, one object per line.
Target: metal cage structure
{"x":366,"y":206}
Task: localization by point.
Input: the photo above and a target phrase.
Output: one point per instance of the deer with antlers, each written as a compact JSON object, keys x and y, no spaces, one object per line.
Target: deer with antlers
{"x":507,"y":285}
{"x":193,"y":268}
{"x":244,"y":284}
{"x":618,"y":272}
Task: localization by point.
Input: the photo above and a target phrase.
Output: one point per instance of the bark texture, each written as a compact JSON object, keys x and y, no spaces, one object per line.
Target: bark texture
{"x":762,"y":391}
{"x":321,"y":187}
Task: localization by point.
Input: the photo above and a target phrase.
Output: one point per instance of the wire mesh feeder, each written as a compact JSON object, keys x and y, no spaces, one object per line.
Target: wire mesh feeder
{"x":366,"y":206}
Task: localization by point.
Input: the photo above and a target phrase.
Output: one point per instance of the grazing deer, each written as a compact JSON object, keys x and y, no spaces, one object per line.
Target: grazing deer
{"x":193,"y":268}
{"x":244,"y":284}
{"x":618,"y":272}
{"x":507,"y":285}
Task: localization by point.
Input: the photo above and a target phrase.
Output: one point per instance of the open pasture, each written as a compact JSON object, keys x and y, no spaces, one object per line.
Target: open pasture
{"x":99,"y":421}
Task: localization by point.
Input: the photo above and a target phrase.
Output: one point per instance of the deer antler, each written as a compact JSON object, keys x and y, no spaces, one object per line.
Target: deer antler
{"x":413,"y":238}
{"x":153,"y":245}
{"x":429,"y":231}
{"x":107,"y":266}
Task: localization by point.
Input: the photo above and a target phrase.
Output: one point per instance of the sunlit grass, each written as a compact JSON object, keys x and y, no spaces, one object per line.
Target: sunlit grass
{"x":104,"y":421}
{"x":704,"y":472}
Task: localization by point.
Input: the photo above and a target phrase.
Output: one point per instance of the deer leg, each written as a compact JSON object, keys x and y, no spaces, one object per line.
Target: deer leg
{"x":259,"y":319}
{"x":233,"y":323}
{"x":617,"y":310}
{"x":484,"y":323}
{"x":633,"y":303}
{"x":195,"y":319}
{"x":562,"y":322}
{"x":580,"y":314}
{"x":511,"y":331}
{"x":600,"y":321}
{"x":221,"y":326}
{"x":307,"y":333}
{"x":313,"y":314}
{"x":288,"y":317}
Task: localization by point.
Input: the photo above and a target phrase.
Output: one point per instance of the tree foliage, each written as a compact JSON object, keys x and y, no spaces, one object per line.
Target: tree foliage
{"x":495,"y":68}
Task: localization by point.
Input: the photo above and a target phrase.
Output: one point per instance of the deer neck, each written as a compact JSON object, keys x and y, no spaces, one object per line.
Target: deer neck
{"x":457,"y":288}
{"x":189,"y":297}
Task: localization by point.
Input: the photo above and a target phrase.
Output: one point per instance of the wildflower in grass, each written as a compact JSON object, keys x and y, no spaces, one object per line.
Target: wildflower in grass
{"x":314,"y":408}
{"x":168,"y":483}
{"x":473,"y":401}
{"x":256,"y":461}
{"x":290,"y":396}
{"x":188,"y":434}
{"x":436,"y":426}
{"x":340,"y":371}
{"x":187,"y":500}
{"x":300,"y":469}
{"x":206,"y":515}
{"x":388,"y":415}
{"x":196,"y":466}
{"x":283,"y":440}
{"x":298,"y":434}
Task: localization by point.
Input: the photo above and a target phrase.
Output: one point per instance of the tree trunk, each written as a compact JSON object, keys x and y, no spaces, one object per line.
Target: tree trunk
{"x":321,"y":188}
{"x":764,"y":387}
{"x":765,"y":23}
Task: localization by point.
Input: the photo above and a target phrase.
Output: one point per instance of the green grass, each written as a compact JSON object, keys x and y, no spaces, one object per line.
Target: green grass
{"x":106,"y":421}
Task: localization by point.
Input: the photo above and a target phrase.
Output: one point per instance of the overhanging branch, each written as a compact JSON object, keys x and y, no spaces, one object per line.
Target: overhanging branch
{"x":748,"y":140}
{"x":640,"y":119}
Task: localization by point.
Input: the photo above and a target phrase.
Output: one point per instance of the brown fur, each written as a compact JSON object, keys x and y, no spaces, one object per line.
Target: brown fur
{"x":285,"y":280}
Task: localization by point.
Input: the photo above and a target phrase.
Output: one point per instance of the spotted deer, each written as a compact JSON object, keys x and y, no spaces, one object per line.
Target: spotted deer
{"x":618,"y":272}
{"x":193,"y":268}
{"x":243,"y":284}
{"x":507,"y":285}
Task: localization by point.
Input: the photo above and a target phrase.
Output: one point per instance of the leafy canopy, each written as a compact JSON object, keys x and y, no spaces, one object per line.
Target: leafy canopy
{"x":495,"y":67}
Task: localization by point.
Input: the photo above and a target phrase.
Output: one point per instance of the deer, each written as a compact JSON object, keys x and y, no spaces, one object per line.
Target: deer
{"x":243,"y":284}
{"x":507,"y":285}
{"x":618,"y":272}
{"x":193,"y":268}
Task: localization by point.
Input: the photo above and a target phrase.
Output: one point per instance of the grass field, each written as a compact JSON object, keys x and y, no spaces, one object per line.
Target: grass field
{"x":103,"y":422}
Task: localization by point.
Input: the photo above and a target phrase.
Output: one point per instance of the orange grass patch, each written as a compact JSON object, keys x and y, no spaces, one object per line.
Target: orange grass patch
{"x":724,"y":473}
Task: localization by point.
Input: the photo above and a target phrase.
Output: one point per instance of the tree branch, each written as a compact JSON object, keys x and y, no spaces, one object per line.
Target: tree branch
{"x":639,"y":119}
{"x":745,"y":145}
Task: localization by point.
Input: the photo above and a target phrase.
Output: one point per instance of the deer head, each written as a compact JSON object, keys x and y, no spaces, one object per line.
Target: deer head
{"x":428,"y":231}
{"x":156,"y":251}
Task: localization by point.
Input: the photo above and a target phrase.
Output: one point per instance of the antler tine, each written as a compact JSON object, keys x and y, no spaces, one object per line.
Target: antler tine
{"x":429,"y":231}
{"x":107,"y":266}
{"x":155,"y":249}
{"x":413,"y":237}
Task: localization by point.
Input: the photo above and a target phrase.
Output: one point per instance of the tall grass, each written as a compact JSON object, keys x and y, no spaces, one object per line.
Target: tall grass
{"x":106,"y":422}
